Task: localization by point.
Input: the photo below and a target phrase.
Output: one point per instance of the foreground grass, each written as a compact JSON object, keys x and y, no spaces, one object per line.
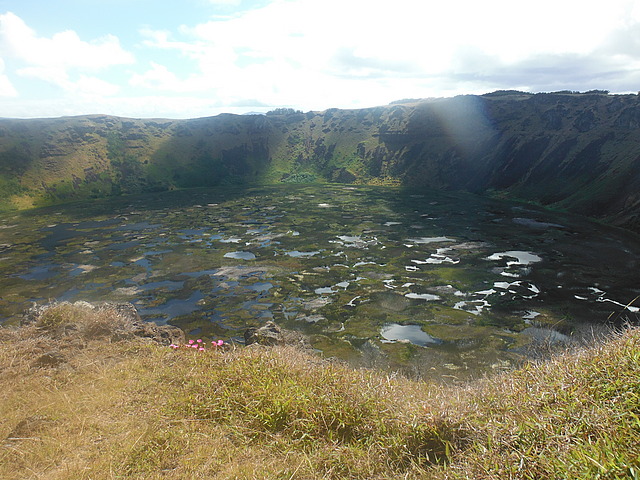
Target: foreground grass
{"x":131,"y":409}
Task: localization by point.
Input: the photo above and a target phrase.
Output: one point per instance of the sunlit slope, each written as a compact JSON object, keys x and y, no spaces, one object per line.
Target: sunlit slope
{"x":575,"y":151}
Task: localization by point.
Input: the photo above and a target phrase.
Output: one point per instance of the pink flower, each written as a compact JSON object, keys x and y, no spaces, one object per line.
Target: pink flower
{"x":220,"y":343}
{"x":199,"y":340}
{"x":191,"y":342}
{"x":201,"y":349}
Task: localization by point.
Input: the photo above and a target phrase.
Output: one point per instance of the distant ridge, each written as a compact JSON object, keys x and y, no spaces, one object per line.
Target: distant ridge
{"x":568,"y":150}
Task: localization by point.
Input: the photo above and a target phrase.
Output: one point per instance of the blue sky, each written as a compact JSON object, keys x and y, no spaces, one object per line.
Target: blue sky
{"x":194,"y":58}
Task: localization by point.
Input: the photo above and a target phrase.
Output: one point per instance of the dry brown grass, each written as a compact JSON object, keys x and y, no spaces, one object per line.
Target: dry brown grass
{"x":133,"y":409}
{"x":125,"y":410}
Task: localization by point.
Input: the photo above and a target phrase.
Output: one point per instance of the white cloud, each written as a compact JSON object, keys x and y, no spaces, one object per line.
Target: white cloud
{"x":54,"y":75}
{"x":6,"y":87}
{"x":339,"y":53}
{"x":225,"y":2}
{"x":162,"y":39}
{"x":62,"y":50}
{"x":424,"y":34}
{"x":63,"y":59}
{"x":93,"y":87}
{"x":84,"y":85}
{"x":317,"y":54}
{"x":158,"y":77}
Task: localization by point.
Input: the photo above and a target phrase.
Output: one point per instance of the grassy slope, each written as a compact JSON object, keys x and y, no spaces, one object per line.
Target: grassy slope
{"x":137,"y":410}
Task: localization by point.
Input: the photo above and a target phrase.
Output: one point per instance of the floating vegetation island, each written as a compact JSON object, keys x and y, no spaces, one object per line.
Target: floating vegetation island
{"x":430,"y":282}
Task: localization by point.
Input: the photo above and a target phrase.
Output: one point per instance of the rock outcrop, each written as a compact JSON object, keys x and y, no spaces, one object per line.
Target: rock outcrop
{"x":112,"y":321}
{"x":271,"y":334}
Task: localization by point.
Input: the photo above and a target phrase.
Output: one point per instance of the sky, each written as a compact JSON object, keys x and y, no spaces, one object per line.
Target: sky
{"x":197,"y":58}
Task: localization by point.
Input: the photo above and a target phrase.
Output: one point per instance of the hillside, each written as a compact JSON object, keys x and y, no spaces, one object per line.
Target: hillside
{"x":579,"y":152}
{"x":83,"y":397}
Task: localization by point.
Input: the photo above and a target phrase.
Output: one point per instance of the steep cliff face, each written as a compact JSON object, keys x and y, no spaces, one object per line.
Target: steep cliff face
{"x":580,"y":152}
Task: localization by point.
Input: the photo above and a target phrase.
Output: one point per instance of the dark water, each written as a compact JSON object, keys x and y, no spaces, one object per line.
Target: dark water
{"x":464,"y":284}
